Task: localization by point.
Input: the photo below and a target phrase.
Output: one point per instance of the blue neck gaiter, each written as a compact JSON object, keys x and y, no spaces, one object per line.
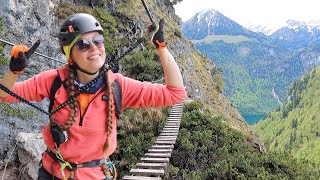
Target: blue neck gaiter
{"x":91,"y":89}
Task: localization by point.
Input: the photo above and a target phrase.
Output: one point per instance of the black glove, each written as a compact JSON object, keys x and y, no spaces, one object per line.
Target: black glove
{"x":157,"y":36}
{"x":20,"y":55}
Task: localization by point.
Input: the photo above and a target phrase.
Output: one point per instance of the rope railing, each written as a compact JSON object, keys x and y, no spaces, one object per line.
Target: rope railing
{"x":153,"y":164}
{"x":39,"y":54}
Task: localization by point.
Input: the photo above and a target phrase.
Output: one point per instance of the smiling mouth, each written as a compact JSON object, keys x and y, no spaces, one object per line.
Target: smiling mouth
{"x":93,"y":57}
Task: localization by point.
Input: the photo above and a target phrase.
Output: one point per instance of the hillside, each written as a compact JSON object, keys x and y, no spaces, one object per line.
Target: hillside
{"x":295,"y":127}
{"x":207,"y":148}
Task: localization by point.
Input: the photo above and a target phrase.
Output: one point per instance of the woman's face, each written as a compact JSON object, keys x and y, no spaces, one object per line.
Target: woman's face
{"x":89,"y":52}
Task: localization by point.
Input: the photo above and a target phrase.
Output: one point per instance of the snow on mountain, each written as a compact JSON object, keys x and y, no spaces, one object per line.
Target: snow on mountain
{"x":261,"y":29}
{"x":310,"y":26}
{"x":212,"y":22}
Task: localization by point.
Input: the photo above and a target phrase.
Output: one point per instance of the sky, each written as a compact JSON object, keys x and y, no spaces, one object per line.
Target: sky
{"x":270,"y":13}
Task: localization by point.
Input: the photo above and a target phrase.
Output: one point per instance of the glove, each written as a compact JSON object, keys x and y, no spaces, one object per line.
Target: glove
{"x":157,"y":34}
{"x":19,"y":56}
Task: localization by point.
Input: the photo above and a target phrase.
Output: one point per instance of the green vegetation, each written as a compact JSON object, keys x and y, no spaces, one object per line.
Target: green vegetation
{"x":24,"y":114}
{"x":143,"y":66}
{"x":208,"y":149}
{"x":224,"y":38}
{"x":294,"y":128}
{"x":251,"y":73}
{"x":3,"y":59}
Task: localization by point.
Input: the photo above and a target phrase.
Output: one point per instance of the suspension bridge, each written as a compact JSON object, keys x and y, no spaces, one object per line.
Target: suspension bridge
{"x":153,"y":164}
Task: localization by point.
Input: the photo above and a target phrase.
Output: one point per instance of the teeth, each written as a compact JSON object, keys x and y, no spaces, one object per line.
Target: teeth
{"x":94,"y":56}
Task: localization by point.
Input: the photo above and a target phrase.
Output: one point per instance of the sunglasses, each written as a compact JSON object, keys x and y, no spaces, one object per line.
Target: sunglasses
{"x":84,"y":44}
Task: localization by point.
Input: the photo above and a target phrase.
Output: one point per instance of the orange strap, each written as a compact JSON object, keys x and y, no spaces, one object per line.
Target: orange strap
{"x":161,"y":44}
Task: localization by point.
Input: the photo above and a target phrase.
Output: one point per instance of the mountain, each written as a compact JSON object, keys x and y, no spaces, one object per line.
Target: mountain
{"x":297,"y":34}
{"x":261,"y":29}
{"x":212,"y":22}
{"x":295,"y":127}
{"x":257,"y":69}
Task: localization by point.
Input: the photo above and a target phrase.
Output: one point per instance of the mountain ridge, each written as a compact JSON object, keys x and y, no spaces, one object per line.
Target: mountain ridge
{"x":271,"y":63}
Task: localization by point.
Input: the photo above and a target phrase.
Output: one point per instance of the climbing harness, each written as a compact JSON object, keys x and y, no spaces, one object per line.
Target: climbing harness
{"x":105,"y":163}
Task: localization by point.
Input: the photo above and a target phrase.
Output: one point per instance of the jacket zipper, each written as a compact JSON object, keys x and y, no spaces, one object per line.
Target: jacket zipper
{"x":82,"y":117}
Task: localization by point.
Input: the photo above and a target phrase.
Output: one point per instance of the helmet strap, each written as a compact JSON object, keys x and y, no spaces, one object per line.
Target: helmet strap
{"x":75,"y":65}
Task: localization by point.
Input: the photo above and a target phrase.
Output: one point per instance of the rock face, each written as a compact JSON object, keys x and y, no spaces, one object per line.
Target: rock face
{"x":24,"y":22}
{"x":28,"y":148}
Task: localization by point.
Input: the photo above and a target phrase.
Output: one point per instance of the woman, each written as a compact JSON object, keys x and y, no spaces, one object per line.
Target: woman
{"x":81,"y":134}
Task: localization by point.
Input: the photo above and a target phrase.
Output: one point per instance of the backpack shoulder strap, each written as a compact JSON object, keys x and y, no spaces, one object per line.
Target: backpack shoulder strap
{"x":54,"y":88}
{"x":116,"y":89}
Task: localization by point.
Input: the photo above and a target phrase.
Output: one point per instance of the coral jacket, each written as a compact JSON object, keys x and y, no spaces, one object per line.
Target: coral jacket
{"x":88,"y":134}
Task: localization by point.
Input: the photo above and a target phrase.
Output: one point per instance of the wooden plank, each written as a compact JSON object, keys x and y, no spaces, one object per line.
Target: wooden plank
{"x":172,"y":126}
{"x":160,"y":150}
{"x":169,"y":134}
{"x":170,"y":131}
{"x":173,"y":121}
{"x":140,"y":178}
{"x":165,"y":142}
{"x":178,"y":126}
{"x":167,"y":137}
{"x":175,"y":130}
{"x":147,"y":171}
{"x":161,"y":160}
{"x":154,"y":165}
{"x":158,"y":154}
{"x":162,"y":146}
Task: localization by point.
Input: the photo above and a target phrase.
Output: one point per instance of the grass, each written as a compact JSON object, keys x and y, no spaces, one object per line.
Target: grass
{"x":24,"y":114}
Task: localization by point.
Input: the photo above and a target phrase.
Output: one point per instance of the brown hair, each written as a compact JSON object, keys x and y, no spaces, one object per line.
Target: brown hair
{"x":109,"y":109}
{"x":74,"y":105}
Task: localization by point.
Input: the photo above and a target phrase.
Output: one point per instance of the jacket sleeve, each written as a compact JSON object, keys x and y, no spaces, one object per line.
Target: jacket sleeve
{"x":137,"y":94}
{"x":34,"y":89}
